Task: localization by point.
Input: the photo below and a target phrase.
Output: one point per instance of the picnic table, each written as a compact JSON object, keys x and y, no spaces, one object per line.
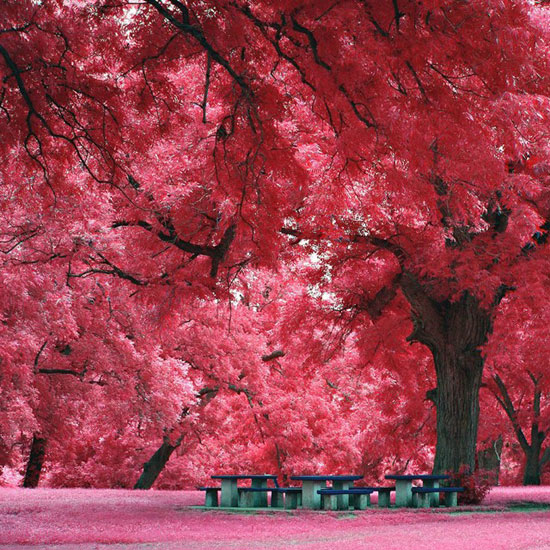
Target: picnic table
{"x":230,"y":492}
{"x":403,"y":487}
{"x":311,"y":484}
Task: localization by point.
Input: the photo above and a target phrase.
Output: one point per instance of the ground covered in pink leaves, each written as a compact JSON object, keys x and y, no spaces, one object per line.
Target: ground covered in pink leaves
{"x":516,"y":518}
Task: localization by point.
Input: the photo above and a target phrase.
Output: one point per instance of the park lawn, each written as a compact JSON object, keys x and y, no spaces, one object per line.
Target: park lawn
{"x":65,"y":519}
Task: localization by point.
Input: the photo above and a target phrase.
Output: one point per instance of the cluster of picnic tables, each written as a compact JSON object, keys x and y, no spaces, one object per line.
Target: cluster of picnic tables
{"x":315,"y":494}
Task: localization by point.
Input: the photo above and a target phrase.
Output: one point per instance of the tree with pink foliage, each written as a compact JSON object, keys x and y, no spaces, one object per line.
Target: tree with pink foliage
{"x":518,"y":374}
{"x":390,"y":155}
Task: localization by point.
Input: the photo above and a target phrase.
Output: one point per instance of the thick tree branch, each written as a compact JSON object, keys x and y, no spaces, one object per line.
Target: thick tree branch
{"x":273,"y":355}
{"x":368,"y":122}
{"x":383,"y":298}
{"x":194,"y":31}
{"x":206,"y":86}
{"x":61,"y":371}
{"x":275,"y":42}
{"x":426,"y":315}
{"x":215,"y":253}
{"x":312,"y":42}
{"x":398,"y":14}
{"x":78,"y":374}
{"x":506,"y":403}
{"x":378,"y":28}
{"x":37,"y":357}
{"x":113,"y":270}
{"x":417,"y":80}
{"x":16,"y":72}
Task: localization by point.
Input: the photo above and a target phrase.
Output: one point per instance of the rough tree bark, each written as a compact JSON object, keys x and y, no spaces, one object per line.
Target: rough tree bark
{"x":457,"y":405}
{"x":454,"y":333}
{"x":534,"y":461}
{"x":531,"y":473}
{"x":35,"y":462}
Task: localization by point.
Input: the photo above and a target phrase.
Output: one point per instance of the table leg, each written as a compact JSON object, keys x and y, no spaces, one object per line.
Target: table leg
{"x":434,"y":497}
{"x":403,"y":492}
{"x":211,"y":499}
{"x":451,"y":499}
{"x":310,"y":497}
{"x":361,"y":502}
{"x":342,"y":500}
{"x":330,"y":502}
{"x":230,"y":495}
{"x":291,"y":501}
{"x":277,"y":500}
{"x":260,"y":499}
{"x":384,"y":499}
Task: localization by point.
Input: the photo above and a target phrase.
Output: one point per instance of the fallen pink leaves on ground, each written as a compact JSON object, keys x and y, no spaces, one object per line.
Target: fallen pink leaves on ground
{"x":87,"y":518}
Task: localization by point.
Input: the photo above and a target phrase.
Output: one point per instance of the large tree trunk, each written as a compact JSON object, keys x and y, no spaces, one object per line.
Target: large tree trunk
{"x":531,"y":473}
{"x":457,"y":405}
{"x":454,"y":333}
{"x":534,"y":461}
{"x":35,"y":462}
{"x":154,"y":466}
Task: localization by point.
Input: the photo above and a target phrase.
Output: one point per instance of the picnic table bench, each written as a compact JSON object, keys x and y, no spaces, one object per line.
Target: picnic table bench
{"x":311,"y":484}
{"x":314,"y":493}
{"x":403,"y":487}
{"x":230,"y":491}
{"x":288,"y":497}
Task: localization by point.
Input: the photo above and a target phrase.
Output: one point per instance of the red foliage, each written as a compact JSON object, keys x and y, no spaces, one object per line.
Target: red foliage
{"x":476,"y":484}
{"x":187,"y":186}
